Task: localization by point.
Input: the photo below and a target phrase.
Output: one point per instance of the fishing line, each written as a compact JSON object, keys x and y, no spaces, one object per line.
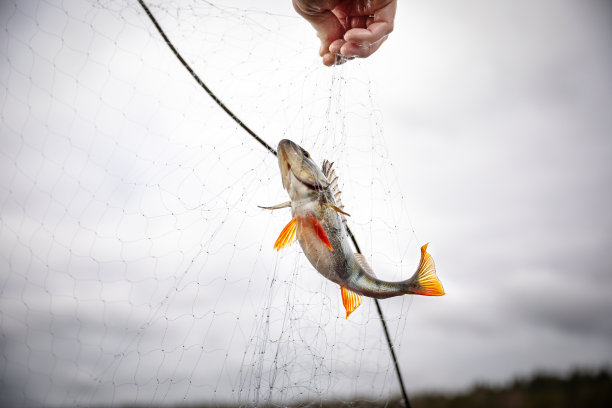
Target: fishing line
{"x":273,"y":151}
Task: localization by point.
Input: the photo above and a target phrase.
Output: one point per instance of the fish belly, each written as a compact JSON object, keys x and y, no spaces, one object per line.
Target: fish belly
{"x":332,"y":264}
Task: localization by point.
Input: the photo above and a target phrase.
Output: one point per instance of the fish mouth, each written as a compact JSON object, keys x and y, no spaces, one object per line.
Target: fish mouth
{"x":294,"y":160}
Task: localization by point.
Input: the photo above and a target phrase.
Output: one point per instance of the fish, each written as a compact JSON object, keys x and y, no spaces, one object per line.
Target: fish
{"x":319,"y":224}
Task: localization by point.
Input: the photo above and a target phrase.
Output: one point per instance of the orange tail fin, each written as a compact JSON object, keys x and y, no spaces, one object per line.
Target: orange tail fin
{"x":427,"y":283}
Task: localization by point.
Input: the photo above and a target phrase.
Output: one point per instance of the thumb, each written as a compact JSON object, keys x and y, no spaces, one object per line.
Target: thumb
{"x":325,"y":22}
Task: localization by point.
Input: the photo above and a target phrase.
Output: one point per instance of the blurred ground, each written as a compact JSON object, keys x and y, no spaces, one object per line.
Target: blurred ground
{"x":580,"y":388}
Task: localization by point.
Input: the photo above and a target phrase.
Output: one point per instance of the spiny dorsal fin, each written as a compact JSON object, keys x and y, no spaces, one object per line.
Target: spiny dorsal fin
{"x":364,"y":264}
{"x":326,"y":167}
{"x":330,"y":174}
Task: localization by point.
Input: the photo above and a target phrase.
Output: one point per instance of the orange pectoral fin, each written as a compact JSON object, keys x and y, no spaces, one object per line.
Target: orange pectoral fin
{"x":350,"y":300}
{"x":321,"y":232}
{"x":287,"y":235}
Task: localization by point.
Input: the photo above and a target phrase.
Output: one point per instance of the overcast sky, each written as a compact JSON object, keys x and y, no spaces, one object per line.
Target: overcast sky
{"x":136,"y":267}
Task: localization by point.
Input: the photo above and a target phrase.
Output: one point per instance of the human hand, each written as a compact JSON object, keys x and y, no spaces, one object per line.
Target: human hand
{"x":351,"y":28}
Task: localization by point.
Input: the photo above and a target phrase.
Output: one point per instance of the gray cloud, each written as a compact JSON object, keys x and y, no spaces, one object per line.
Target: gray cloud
{"x":137,"y":267}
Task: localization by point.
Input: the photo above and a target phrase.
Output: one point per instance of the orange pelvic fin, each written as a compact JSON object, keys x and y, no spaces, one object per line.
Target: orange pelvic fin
{"x":287,"y":235}
{"x":427,"y":283}
{"x":320,"y":232}
{"x":350,"y":300}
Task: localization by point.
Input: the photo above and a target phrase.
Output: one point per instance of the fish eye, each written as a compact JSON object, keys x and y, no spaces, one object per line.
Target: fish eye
{"x":306,"y":154}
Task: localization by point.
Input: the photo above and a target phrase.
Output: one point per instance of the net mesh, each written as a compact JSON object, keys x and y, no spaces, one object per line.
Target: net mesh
{"x":136,"y":266}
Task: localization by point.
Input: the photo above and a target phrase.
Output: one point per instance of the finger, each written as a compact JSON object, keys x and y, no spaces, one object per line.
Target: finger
{"x":368,"y":36}
{"x":379,"y":24}
{"x":324,"y":22}
{"x":328,"y":29}
{"x":330,"y":59}
{"x":354,"y":50}
{"x":358,"y":22}
{"x":335,"y":46}
{"x":342,"y":17}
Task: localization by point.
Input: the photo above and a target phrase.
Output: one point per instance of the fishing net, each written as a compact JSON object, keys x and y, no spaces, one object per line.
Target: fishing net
{"x":136,"y":265}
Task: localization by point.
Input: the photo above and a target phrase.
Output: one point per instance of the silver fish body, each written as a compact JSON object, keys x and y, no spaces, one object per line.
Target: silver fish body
{"x":314,"y":208}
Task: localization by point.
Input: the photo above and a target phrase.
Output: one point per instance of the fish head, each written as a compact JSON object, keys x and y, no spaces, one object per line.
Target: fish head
{"x":299,"y":173}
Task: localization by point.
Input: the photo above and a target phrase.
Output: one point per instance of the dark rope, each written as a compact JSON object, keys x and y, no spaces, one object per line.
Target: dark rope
{"x":201,"y":83}
{"x":273,"y":151}
{"x":384,"y":325}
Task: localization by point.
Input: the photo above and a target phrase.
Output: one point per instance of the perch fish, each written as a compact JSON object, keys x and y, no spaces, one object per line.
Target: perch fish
{"x":319,"y":224}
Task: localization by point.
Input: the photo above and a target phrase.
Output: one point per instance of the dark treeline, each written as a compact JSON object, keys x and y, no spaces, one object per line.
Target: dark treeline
{"x":579,"y":389}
